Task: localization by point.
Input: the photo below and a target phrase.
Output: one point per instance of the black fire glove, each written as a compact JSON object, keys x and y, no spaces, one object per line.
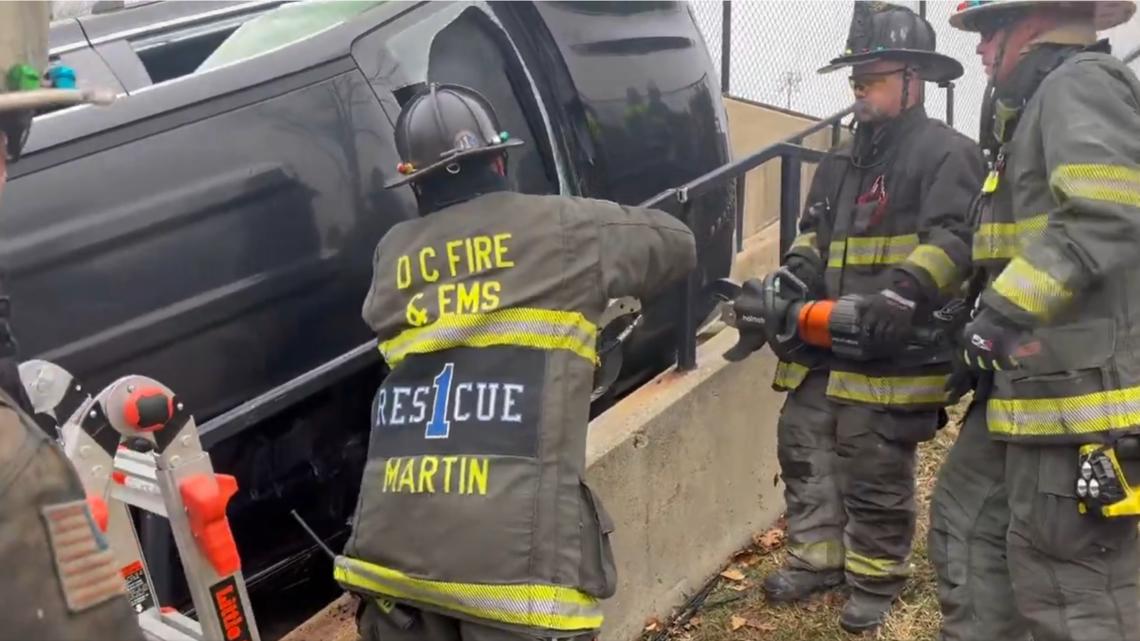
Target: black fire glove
{"x":807,"y":270}
{"x":887,"y":316}
{"x":962,"y":380}
{"x":990,"y":342}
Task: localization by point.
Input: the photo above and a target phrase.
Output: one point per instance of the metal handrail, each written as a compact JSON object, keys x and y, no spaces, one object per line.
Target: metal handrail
{"x":728,"y":171}
{"x":792,"y":154}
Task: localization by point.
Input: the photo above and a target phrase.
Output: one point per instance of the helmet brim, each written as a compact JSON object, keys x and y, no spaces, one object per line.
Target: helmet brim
{"x":419,"y":173}
{"x":931,"y":66}
{"x":1108,"y":13}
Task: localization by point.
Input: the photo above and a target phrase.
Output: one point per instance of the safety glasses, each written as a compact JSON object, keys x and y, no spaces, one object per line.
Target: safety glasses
{"x":867,"y":81}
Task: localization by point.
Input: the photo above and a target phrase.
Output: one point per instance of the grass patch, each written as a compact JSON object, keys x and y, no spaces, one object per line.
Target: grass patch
{"x":736,"y":608}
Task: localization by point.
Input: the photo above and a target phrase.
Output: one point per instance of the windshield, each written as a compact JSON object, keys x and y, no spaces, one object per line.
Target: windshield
{"x":283,"y":26}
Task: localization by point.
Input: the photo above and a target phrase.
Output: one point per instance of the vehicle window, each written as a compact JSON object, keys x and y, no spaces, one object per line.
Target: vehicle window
{"x":280,"y":27}
{"x":473,"y":51}
{"x":175,"y":54}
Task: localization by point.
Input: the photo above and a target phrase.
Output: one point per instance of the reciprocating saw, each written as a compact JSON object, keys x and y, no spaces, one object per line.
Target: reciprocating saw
{"x":778,"y":311}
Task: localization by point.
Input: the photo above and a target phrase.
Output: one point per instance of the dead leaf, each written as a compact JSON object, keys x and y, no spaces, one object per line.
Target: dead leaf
{"x":732,"y":574}
{"x":776,"y":479}
{"x":759,"y":625}
{"x":737,"y":622}
{"x":695,"y":621}
{"x":652,"y":625}
{"x":740,"y":587}
{"x":747,"y":558}
{"x":770,"y":540}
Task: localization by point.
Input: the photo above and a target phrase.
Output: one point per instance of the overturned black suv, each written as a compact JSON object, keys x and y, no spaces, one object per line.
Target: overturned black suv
{"x":214,"y":227}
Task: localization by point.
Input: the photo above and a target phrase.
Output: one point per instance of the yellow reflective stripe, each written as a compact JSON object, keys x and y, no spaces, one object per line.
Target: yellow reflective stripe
{"x":789,"y":375}
{"x":820,"y":555}
{"x":1084,"y":414}
{"x":835,"y":254}
{"x":872,"y":250}
{"x":1003,"y":241}
{"x":1108,"y":183}
{"x":887,"y":390}
{"x":936,"y":262}
{"x":806,"y":240}
{"x":1030,"y":288}
{"x":521,"y":327}
{"x":882,"y":568}
{"x":533,"y":605}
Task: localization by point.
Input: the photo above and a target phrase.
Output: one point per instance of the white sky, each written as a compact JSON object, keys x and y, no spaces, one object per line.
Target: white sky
{"x":773,"y":38}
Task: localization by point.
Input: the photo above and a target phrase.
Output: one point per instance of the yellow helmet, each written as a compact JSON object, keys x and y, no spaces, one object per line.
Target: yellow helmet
{"x":1106,"y":13}
{"x":23,"y":60}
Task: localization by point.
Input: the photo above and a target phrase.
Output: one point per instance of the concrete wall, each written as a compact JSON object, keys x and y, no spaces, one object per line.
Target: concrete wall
{"x":686,"y":465}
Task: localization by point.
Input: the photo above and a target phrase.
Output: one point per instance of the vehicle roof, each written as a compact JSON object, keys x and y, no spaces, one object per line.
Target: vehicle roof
{"x":324,"y":47}
{"x":157,"y":16}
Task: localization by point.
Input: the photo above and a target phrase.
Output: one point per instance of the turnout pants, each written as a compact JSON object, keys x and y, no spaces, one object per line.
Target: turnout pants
{"x":372,"y":626}
{"x":849,"y":485}
{"x":1014,"y":557}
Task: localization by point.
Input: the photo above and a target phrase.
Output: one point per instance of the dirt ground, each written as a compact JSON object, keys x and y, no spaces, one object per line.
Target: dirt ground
{"x":337,"y":622}
{"x":736,"y":608}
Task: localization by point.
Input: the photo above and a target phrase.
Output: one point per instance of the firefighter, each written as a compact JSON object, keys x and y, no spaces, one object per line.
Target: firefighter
{"x":60,"y":580}
{"x":1051,"y":342}
{"x":886,"y":218}
{"x":474,"y":516}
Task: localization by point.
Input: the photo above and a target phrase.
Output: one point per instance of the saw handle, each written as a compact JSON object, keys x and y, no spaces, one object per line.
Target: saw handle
{"x":928,"y":336}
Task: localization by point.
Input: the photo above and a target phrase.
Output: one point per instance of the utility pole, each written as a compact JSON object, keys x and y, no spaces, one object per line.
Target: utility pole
{"x":790,"y":83}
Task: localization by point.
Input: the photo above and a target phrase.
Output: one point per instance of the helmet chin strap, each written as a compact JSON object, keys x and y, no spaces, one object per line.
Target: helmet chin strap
{"x":989,"y":95}
{"x":905,"y":88}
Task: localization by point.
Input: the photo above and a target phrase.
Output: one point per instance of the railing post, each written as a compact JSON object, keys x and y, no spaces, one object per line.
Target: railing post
{"x":790,"y":169}
{"x":687,"y":341}
{"x":741,"y":183}
{"x":725,"y":44}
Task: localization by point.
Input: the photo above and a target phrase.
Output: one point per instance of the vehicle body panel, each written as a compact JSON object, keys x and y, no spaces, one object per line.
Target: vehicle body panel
{"x":215,"y":230}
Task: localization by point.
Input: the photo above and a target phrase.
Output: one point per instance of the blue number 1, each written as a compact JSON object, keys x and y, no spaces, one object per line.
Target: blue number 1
{"x":439,"y":426}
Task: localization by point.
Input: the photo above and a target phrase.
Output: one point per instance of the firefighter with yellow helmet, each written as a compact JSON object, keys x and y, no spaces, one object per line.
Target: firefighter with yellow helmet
{"x":60,"y":579}
{"x":1026,"y":537}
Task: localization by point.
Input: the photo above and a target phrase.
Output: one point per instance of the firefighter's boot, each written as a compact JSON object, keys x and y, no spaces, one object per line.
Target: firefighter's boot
{"x":795,"y":584}
{"x":864,"y":611}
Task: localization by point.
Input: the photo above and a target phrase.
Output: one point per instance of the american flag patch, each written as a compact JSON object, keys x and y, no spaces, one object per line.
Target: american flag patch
{"x":84,"y":562}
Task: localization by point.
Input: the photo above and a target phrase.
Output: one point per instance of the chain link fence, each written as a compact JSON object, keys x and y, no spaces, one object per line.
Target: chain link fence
{"x":777,"y":46}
